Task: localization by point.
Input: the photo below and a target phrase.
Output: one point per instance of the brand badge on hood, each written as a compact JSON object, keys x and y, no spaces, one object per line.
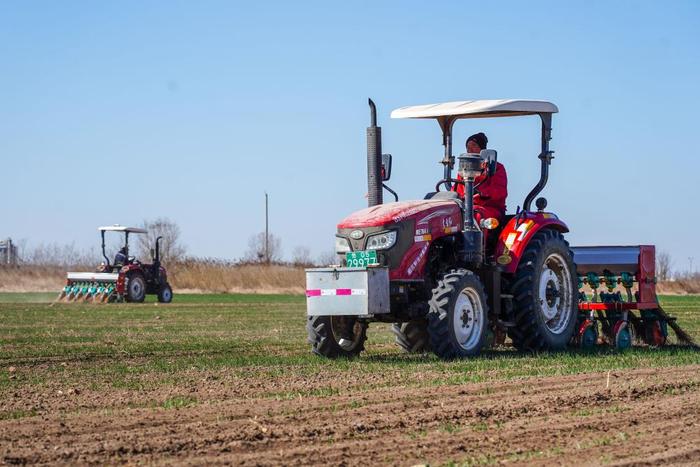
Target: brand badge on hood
{"x":357,"y":234}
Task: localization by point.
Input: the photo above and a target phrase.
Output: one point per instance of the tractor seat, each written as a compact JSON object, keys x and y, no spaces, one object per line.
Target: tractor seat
{"x":120,"y":260}
{"x":442,"y":195}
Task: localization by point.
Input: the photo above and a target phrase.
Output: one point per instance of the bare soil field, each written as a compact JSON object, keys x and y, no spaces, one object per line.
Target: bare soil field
{"x":230,"y":380}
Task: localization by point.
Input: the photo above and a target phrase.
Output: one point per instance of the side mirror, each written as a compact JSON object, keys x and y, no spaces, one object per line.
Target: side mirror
{"x":386,"y":167}
{"x":490,"y":156}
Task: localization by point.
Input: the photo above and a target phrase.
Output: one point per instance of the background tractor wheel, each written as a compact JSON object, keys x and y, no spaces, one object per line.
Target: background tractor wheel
{"x":135,"y":288}
{"x":336,"y":336}
{"x":165,"y":294}
{"x":545,"y":294}
{"x":458,"y":317}
{"x":412,"y":336}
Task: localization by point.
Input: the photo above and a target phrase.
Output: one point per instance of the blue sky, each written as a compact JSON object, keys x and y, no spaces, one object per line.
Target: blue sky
{"x":115,"y":113}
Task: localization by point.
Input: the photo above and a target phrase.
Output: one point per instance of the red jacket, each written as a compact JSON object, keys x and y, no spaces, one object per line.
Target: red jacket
{"x":491,"y":194}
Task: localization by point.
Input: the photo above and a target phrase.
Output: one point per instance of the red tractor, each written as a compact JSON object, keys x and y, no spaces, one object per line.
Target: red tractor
{"x":123,"y":279}
{"x":451,"y":285}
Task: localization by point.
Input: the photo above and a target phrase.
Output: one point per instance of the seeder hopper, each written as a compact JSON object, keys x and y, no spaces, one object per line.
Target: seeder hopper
{"x":123,"y":279}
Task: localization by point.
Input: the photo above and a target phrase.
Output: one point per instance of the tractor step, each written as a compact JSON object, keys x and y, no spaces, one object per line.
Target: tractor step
{"x":506,"y":324}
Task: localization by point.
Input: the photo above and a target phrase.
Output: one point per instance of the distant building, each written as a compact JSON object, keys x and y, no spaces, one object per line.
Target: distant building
{"x":8,"y":252}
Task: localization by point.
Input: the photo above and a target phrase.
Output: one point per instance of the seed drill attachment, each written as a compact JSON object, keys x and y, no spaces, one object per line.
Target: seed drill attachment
{"x":630,"y":268}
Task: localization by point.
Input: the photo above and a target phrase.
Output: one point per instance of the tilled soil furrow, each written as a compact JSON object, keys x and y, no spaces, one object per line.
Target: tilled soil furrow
{"x":652,"y":430}
{"x":389,"y":400}
{"x":363,"y":396}
{"x":520,"y":431}
{"x":515,"y":420}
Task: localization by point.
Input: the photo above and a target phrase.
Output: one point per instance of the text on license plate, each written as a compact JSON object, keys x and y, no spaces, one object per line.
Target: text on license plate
{"x":361,"y":259}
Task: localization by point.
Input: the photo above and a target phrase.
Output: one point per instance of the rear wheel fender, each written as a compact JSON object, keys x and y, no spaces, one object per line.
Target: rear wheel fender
{"x":516,"y":236}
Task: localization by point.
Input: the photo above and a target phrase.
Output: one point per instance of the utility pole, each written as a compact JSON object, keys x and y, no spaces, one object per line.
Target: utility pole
{"x":690,"y":260}
{"x":267,"y":232}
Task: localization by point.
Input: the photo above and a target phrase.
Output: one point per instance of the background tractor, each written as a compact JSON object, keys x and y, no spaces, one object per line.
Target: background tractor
{"x":453,"y":286}
{"x":123,"y":279}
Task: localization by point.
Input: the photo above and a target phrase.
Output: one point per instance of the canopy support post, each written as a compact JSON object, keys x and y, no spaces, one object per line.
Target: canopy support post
{"x":448,"y":161}
{"x":104,"y":253}
{"x":546,"y":158}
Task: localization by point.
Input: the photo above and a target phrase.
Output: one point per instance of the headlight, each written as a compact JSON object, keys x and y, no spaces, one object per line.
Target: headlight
{"x":382,"y":241}
{"x":341,"y":245}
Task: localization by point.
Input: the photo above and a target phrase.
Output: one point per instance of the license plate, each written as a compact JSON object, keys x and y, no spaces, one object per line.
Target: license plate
{"x":361,"y":259}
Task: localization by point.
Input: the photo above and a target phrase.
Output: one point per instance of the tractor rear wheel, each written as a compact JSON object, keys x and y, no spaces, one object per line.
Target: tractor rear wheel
{"x":165,"y":294}
{"x":412,"y":336}
{"x":336,"y":336}
{"x":458,"y":317}
{"x":135,"y":288}
{"x":545,"y":294}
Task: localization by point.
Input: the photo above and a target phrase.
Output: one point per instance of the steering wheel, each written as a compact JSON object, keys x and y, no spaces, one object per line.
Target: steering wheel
{"x":445,"y":181}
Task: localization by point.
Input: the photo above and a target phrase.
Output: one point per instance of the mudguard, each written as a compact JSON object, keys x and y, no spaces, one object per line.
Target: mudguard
{"x":121,"y":281}
{"x":517,"y":233}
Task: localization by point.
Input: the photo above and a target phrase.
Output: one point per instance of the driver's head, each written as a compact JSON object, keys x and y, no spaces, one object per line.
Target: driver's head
{"x":477,"y":142}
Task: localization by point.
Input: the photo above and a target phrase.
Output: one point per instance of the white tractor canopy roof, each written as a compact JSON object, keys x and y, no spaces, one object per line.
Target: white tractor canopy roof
{"x":121,"y":228}
{"x":477,"y":109}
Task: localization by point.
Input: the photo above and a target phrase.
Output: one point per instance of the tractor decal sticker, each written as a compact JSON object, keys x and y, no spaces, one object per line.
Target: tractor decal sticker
{"x":523,"y":228}
{"x":334,"y":292}
{"x":422,"y":238}
{"x":419,"y":258}
{"x":505,"y":257}
{"x":433,"y":215}
{"x":510,"y":240}
{"x":422,"y":231}
{"x":449,"y":230}
{"x":504,"y":260}
{"x":408,"y":213}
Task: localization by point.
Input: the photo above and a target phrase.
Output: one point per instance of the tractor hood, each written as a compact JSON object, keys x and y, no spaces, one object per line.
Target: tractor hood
{"x":391,"y":213}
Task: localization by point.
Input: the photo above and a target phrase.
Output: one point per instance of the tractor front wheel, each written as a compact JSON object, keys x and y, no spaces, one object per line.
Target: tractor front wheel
{"x":336,"y":336}
{"x":412,"y":336}
{"x":458,"y":317}
{"x":165,"y":294}
{"x":545,"y":294}
{"x":135,"y":288}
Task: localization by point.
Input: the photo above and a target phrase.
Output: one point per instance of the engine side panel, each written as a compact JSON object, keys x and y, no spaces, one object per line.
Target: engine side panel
{"x":429,"y":227}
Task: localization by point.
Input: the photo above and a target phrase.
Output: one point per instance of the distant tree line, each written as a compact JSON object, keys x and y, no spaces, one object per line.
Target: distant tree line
{"x":172,"y":250}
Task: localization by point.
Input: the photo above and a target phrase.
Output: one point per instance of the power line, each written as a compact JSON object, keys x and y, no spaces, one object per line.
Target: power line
{"x":267,"y":231}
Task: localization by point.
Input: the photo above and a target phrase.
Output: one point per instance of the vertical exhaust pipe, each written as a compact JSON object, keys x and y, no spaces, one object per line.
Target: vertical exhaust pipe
{"x":374,"y":159}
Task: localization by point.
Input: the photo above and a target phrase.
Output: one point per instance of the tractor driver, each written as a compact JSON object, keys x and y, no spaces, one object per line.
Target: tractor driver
{"x":490,"y":191}
{"x":120,"y":259}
